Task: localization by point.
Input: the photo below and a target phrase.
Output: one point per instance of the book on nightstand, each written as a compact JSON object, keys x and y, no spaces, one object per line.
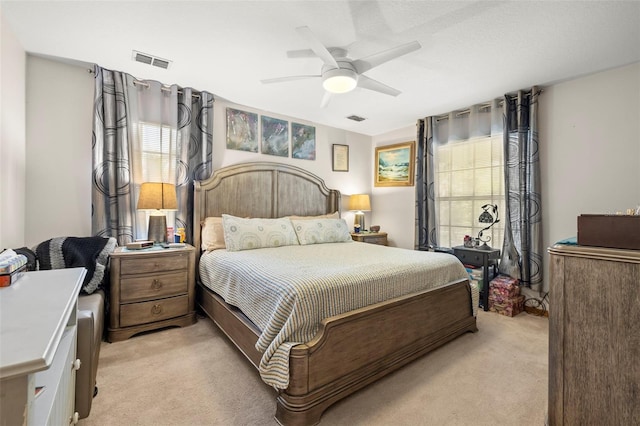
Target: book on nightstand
{"x":136,"y":245}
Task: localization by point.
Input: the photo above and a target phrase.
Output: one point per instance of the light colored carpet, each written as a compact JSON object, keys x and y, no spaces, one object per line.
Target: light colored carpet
{"x":194,"y":376}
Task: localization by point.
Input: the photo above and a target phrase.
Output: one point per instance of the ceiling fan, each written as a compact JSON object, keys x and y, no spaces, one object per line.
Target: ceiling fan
{"x":341,"y":74}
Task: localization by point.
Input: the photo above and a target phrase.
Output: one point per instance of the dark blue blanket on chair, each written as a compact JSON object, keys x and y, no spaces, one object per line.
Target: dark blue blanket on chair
{"x":91,"y":253}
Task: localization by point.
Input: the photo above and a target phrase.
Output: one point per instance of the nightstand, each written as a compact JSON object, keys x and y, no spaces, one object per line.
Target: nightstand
{"x":370,"y":237}
{"x":151,"y":289}
{"x":479,"y":257}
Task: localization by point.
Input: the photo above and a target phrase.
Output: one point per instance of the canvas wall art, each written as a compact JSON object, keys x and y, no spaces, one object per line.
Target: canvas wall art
{"x":275,"y":137}
{"x":303,"y":141}
{"x":242,"y":130}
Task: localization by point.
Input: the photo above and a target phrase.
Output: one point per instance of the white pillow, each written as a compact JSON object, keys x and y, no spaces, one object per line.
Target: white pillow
{"x":334,"y":215}
{"x":248,"y":234}
{"x":319,"y":231}
{"x":212,"y":234}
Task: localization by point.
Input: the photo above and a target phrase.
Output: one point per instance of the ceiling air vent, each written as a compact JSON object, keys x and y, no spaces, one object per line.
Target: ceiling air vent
{"x":356,"y":118}
{"x":145,"y":58}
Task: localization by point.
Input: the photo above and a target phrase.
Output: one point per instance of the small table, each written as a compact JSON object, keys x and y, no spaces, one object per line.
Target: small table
{"x":379,"y":238}
{"x":150,"y":289}
{"x":479,"y":257}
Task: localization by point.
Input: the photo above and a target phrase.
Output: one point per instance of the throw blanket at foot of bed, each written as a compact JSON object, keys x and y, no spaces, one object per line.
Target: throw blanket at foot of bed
{"x":91,"y":253}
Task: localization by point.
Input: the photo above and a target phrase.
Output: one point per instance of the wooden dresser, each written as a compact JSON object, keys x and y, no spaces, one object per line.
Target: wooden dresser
{"x":150,"y":289}
{"x":38,"y":340}
{"x":594,"y":336}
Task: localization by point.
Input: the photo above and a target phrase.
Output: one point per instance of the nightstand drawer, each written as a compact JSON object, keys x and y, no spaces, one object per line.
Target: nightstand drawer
{"x":144,"y":265}
{"x":376,"y":240}
{"x":133,"y":289}
{"x":468,"y":257}
{"x":154,"y":310}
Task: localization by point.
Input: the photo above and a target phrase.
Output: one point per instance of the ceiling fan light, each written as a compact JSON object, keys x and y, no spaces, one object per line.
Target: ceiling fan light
{"x":339,"y":80}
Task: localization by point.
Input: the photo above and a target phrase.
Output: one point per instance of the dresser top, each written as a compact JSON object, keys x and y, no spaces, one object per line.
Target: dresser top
{"x":602,"y":253}
{"x":151,"y":251}
{"x":34,"y":312}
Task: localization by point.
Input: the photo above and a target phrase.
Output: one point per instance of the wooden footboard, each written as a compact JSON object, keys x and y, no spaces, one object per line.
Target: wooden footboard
{"x":353,"y":349}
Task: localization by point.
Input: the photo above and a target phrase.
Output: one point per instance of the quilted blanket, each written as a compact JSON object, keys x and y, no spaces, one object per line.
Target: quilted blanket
{"x":287,"y":291}
{"x":91,"y":253}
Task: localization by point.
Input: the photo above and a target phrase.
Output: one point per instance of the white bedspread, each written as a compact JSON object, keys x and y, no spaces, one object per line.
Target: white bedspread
{"x":287,"y":291}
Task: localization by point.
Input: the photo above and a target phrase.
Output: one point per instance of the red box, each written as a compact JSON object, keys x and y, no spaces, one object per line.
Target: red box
{"x":503,"y":288}
{"x":508,"y":307}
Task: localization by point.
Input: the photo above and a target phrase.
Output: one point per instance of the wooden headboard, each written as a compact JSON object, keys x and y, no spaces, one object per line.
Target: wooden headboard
{"x":261,"y":189}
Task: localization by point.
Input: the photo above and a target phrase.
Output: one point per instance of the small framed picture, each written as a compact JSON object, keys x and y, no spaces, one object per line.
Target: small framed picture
{"x":340,"y":161}
{"x":395,"y":164}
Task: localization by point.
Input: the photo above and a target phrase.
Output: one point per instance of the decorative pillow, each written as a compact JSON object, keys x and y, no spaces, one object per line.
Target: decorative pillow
{"x":248,"y":234}
{"x":212,"y":234}
{"x":334,"y":215}
{"x":318,"y":231}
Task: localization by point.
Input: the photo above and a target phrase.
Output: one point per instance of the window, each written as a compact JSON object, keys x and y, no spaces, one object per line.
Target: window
{"x":154,"y":161}
{"x":158,"y":155}
{"x":468,"y":175}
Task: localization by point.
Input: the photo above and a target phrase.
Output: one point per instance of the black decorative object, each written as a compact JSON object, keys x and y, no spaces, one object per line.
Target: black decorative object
{"x":490,"y":216}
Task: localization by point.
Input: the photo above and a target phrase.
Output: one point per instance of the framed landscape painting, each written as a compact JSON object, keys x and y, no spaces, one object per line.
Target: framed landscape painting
{"x":395,"y":164}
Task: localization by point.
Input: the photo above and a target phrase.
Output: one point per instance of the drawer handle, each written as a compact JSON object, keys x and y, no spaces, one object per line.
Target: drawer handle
{"x":76,"y":365}
{"x":156,"y":284}
{"x":156,"y":310}
{"x":156,"y":265}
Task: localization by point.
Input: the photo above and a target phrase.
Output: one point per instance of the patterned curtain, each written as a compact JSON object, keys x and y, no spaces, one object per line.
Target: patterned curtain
{"x":425,"y":233}
{"x":181,"y":122}
{"x":113,"y":201}
{"x":522,"y":250}
{"x":194,"y":151}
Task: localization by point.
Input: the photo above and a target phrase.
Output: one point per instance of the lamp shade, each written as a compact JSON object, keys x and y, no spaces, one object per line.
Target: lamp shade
{"x":157,"y":196}
{"x":360,"y":202}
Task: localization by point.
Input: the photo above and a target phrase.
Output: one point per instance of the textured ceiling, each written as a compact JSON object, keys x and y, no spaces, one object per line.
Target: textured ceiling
{"x":472,"y":51}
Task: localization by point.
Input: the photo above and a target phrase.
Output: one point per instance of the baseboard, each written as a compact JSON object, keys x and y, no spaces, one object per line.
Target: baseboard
{"x":536,"y":311}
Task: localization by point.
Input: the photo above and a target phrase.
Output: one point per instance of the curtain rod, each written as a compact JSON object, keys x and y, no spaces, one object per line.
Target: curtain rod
{"x":482,"y":106}
{"x":163,"y":87}
{"x":465,"y":111}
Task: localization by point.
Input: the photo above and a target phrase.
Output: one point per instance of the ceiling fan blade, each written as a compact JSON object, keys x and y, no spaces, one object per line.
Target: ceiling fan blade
{"x":303,"y":53}
{"x":289,"y":78}
{"x":371,"y":84}
{"x":317,"y":47}
{"x":368,"y":62}
{"x":325,"y":99}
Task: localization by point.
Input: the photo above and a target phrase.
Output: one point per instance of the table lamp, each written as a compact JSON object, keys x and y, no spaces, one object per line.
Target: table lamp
{"x":487,"y":217}
{"x":359,"y":203}
{"x":159,"y":197}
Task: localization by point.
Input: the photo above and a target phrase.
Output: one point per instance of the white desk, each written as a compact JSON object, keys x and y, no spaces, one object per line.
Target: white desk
{"x":38,"y":329}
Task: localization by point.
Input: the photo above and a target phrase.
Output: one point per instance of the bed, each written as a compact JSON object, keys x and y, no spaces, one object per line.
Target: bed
{"x":348,"y":350}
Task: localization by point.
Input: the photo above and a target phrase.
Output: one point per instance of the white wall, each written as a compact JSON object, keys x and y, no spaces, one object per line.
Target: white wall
{"x":59,"y":143}
{"x":59,"y":138}
{"x":393,"y":208}
{"x":355,"y":181}
{"x":590,"y":149}
{"x":12,"y":139}
{"x":590,"y":156}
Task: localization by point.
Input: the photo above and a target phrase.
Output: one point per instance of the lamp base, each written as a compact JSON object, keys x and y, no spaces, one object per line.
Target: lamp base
{"x":359,"y":220}
{"x":157,"y":229}
{"x":485,"y":246}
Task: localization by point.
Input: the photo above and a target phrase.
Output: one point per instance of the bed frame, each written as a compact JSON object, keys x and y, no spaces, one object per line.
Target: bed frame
{"x":351,"y":350}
